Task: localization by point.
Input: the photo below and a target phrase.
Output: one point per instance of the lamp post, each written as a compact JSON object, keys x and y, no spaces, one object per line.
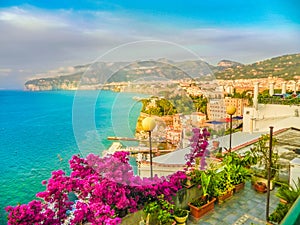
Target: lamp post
{"x":148,"y":125}
{"x":230,"y":110}
{"x":269,"y":173}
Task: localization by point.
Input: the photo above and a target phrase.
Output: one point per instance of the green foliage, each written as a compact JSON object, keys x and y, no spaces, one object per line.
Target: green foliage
{"x":243,"y":95}
{"x":289,"y":100}
{"x":178,"y":103}
{"x":261,"y":151}
{"x":279,"y":213}
{"x":205,"y":181}
{"x":234,"y":165}
{"x":249,"y":159}
{"x":181,"y":212}
{"x":162,"y":107}
{"x":201,"y":201}
{"x":232,"y":158}
{"x":239,"y":174}
{"x":160,"y":211}
{"x":289,"y":193}
{"x":221,"y":182}
{"x":200,"y":103}
{"x":202,"y":178}
{"x":287,"y":67}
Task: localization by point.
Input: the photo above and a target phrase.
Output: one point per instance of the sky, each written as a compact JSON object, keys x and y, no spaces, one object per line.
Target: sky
{"x":40,"y":36}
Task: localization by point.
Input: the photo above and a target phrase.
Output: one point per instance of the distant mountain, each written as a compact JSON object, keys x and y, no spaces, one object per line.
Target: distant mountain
{"x":286,"y":67}
{"x":224,"y":64}
{"x":91,"y":75}
{"x":94,"y":75}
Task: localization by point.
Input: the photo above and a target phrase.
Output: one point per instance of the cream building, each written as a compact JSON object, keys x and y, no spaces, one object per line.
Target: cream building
{"x":216,"y":108}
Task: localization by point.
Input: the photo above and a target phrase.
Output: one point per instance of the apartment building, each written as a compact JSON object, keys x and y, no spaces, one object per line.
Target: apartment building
{"x":216,"y":108}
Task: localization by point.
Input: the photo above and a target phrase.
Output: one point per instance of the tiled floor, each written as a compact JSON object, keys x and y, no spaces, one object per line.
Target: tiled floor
{"x":246,"y":207}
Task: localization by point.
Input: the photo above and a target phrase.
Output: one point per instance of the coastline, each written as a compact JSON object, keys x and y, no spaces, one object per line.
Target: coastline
{"x":36,"y":128}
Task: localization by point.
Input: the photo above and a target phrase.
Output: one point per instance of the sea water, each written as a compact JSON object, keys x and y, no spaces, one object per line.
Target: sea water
{"x":40,"y":131}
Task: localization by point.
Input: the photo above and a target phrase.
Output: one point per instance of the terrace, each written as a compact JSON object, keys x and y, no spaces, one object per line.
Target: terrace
{"x":246,"y":207}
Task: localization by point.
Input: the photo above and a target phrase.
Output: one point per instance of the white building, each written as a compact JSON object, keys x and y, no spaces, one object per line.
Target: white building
{"x":288,"y":147}
{"x":261,"y":116}
{"x":279,"y":116}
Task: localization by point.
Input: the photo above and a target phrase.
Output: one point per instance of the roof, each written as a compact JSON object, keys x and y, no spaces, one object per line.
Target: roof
{"x":175,"y":157}
{"x":288,"y":122}
{"x":178,"y":156}
{"x":239,"y":140}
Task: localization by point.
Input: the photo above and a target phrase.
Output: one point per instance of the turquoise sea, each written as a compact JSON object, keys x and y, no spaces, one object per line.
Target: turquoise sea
{"x":40,"y":131}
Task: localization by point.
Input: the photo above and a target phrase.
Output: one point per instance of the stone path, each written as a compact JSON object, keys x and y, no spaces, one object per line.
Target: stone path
{"x":245,"y":208}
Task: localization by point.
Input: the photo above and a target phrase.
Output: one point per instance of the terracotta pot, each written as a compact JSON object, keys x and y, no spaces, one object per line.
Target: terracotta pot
{"x":260,"y":187}
{"x":283,"y":201}
{"x":265,"y":181}
{"x":197,"y":212}
{"x":239,"y":187}
{"x":225,"y":196}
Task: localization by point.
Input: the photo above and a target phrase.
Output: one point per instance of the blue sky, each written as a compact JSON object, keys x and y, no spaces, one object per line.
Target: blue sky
{"x":38,"y":37}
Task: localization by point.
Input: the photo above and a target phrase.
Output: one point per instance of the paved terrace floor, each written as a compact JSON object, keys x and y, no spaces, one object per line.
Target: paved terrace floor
{"x":245,"y":207}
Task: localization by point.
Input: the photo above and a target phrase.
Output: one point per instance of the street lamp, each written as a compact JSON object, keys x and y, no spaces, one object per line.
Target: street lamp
{"x":230,"y":110}
{"x":148,"y":125}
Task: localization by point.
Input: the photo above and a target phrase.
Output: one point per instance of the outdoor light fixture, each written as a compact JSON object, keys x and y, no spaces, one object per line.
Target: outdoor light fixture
{"x":230,"y":110}
{"x":148,"y":125}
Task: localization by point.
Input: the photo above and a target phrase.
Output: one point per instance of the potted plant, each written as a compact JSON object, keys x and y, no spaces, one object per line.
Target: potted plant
{"x":181,"y":215}
{"x":248,"y":159}
{"x":261,"y":151}
{"x":279,"y":213}
{"x":239,"y":175}
{"x":236,"y":171}
{"x":201,"y":206}
{"x":260,"y":187}
{"x":288,"y":194}
{"x":205,"y":203}
{"x":222,"y":187}
{"x":160,"y":212}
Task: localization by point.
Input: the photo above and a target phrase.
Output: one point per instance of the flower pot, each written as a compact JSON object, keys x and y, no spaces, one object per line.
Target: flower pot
{"x":179,"y":217}
{"x":197,"y":212}
{"x":181,"y":220}
{"x":239,"y":187}
{"x":260,"y":187}
{"x":228,"y":194}
{"x":265,"y":181}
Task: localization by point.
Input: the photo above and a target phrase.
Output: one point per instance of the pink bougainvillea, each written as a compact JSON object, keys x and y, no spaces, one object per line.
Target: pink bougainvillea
{"x":106,"y":189}
{"x":199,"y":149}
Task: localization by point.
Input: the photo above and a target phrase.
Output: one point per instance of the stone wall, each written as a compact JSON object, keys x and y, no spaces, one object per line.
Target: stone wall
{"x":181,"y":200}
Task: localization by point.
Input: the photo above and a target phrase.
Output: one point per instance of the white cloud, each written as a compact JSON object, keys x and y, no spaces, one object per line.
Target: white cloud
{"x":5,"y":72}
{"x":25,"y":19}
{"x":39,"y":41}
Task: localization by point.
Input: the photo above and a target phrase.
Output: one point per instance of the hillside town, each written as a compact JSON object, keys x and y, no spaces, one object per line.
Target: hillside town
{"x":243,"y":95}
{"x":238,"y":115}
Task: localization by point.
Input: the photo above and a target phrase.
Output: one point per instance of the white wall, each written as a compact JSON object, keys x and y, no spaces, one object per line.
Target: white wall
{"x":160,"y":170}
{"x":270,"y":115}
